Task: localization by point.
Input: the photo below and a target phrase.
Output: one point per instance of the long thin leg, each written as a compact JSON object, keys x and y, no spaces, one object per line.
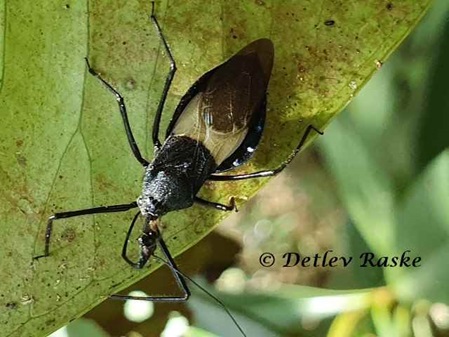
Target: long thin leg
{"x":168,"y":80}
{"x":70,"y":214}
{"x":125,"y":244}
{"x":178,"y":277}
{"x":122,"y":107}
{"x":267,"y":173}
{"x":221,"y":207}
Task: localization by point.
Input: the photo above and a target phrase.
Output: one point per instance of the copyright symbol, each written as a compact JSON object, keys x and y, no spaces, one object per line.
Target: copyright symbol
{"x":266,"y":259}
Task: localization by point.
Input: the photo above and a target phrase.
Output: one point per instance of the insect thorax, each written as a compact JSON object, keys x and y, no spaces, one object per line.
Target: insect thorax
{"x":175,"y":175}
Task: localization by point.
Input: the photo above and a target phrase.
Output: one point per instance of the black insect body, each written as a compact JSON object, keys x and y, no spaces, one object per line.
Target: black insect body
{"x":210,"y":130}
{"x":215,"y":128}
{"x":172,"y":180}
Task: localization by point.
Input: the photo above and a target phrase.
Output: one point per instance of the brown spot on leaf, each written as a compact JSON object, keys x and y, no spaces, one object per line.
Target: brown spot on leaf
{"x":21,"y":160}
{"x":69,"y":234}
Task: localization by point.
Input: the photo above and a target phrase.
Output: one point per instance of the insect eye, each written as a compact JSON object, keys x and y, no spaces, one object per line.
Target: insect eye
{"x":156,"y":203}
{"x":146,"y":241}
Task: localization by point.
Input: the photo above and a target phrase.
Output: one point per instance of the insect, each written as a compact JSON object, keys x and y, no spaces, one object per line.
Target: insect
{"x":215,"y":128}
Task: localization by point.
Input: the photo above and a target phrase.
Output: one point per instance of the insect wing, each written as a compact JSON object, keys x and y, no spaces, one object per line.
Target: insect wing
{"x":219,"y":108}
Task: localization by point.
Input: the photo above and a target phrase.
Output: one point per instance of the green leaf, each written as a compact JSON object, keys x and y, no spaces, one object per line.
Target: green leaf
{"x":423,"y":227}
{"x":278,"y":313}
{"x":366,"y":189}
{"x":433,"y":137}
{"x":84,"y":327}
{"x":62,"y":144}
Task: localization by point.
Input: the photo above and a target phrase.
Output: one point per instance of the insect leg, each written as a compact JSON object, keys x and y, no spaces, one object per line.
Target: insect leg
{"x":122,"y":107}
{"x":221,"y":207}
{"x":267,"y":173}
{"x":125,"y":244}
{"x":178,"y":278}
{"x":70,"y":214}
{"x":168,"y":80}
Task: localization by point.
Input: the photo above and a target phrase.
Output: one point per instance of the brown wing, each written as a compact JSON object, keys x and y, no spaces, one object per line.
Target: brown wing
{"x":219,"y":113}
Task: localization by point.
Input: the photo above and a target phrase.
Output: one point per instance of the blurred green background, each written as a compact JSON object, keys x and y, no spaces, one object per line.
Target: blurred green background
{"x":377,"y":181}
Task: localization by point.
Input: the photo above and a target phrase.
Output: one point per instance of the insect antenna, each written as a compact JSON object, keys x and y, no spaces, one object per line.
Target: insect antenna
{"x":215,"y":298}
{"x":155,"y":238}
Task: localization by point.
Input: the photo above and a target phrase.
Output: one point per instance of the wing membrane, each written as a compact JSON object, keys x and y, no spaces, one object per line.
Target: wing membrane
{"x":226,"y":99}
